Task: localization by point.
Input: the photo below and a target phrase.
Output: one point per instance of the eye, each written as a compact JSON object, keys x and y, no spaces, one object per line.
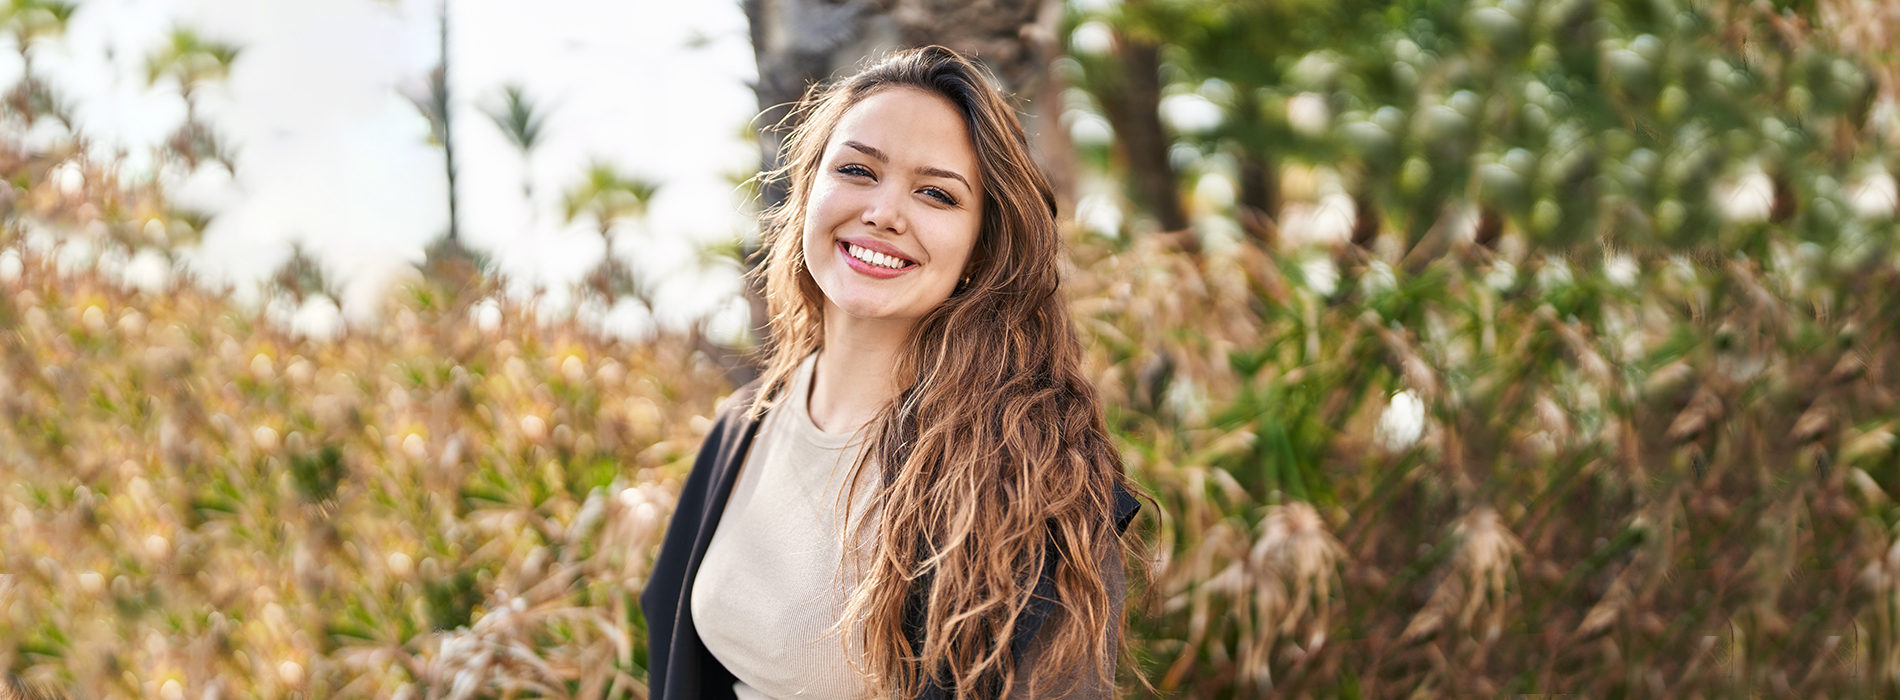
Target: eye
{"x":855,"y":170}
{"x":940,"y":195}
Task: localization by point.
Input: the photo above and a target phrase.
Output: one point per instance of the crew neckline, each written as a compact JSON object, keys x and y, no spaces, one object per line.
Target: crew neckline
{"x":802,"y":421}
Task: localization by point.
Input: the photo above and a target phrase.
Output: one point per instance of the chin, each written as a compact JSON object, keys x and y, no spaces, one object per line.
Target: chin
{"x":866,"y":301}
{"x":871,"y":311}
{"x":872,"y":307}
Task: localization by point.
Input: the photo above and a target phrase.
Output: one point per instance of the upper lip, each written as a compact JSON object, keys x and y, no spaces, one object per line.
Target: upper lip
{"x":879,"y":246}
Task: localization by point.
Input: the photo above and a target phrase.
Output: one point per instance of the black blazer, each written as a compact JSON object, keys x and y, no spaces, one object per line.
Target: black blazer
{"x":678,"y":665}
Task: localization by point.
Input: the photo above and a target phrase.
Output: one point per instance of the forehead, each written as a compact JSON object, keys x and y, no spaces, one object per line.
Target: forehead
{"x":911,"y":127}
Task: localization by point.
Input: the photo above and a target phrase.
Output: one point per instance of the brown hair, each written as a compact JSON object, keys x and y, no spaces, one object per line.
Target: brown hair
{"x":995,"y":450}
{"x":13,"y":687}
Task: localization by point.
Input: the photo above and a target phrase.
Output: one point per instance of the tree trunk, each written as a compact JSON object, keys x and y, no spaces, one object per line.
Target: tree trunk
{"x":1050,"y":143}
{"x":1259,"y":196}
{"x":1133,"y":108}
{"x":448,"y":140}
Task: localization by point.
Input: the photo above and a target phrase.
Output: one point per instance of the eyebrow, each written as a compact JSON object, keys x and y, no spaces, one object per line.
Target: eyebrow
{"x":927,"y":170}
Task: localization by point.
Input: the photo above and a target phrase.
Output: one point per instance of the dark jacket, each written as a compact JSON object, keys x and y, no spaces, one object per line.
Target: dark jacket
{"x":678,"y":665}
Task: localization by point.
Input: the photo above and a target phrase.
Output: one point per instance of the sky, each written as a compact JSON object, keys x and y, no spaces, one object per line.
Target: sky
{"x":331,"y":155}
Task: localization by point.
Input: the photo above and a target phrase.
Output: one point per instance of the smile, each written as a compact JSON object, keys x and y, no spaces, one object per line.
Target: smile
{"x":874,"y":263}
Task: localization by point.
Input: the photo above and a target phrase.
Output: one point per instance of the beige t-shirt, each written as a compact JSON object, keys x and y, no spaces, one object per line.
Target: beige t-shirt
{"x":770,"y":592}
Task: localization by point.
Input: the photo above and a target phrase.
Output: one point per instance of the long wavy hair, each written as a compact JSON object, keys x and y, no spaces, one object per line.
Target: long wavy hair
{"x":994,"y":455}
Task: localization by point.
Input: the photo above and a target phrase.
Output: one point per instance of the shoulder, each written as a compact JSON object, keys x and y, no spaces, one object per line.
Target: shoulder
{"x":737,"y":406}
{"x":731,"y":430}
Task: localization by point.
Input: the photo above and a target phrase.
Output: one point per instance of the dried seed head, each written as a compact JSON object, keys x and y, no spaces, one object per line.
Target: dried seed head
{"x":1485,"y":552}
{"x":634,"y":518}
{"x":1873,"y":443}
{"x":291,"y":673}
{"x":266,"y":438}
{"x":534,"y":428}
{"x":300,"y":371}
{"x":1553,"y":418}
{"x":1298,"y":555}
{"x":1481,"y":571}
{"x":1703,"y":410}
{"x":95,"y":319}
{"x":1609,"y":609}
{"x":1813,"y":424}
{"x":415,"y":447}
{"x":401,"y":565}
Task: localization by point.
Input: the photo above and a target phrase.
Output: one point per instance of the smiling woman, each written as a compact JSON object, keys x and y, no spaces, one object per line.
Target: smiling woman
{"x":891,"y":221}
{"x":919,"y":499}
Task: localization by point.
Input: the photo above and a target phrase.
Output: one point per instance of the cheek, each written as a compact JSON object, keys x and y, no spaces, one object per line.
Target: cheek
{"x":961,"y":245}
{"x":825,"y":210}
{"x":812,"y":231}
{"x":808,"y":241}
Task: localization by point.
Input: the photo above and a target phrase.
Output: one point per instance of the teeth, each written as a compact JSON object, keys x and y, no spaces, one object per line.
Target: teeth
{"x":874,"y":258}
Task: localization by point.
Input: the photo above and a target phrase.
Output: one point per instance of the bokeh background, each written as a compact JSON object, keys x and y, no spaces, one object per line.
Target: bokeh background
{"x":1468,"y":347}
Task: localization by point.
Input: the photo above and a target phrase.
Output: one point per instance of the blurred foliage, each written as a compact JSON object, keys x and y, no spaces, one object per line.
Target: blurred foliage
{"x":1531,"y":346}
{"x":452,"y":502}
{"x":31,"y":22}
{"x":1562,"y":367}
{"x":521,"y":120}
{"x":611,"y":198}
{"x":207,"y":498}
{"x":194,"y":62}
{"x":191,"y":60}
{"x":518,"y":119}
{"x":608,"y":196}
{"x":1476,"y":482}
{"x":1574,"y":121}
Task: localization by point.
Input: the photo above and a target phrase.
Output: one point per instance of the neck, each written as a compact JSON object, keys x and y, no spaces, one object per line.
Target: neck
{"x":856,"y":373}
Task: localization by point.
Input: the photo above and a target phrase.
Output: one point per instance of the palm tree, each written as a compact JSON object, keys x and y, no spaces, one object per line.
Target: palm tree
{"x":447,"y":260}
{"x":608,"y":197}
{"x":433,"y":103}
{"x":193,"y":62}
{"x":302,"y":275}
{"x":30,"y":21}
{"x":521,"y":121}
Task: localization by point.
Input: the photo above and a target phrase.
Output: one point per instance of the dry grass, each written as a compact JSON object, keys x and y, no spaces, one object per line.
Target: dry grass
{"x":419,"y":509}
{"x":198,"y":504}
{"x":1663,"y":487}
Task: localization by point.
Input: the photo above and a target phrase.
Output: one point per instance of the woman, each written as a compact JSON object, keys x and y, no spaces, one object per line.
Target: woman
{"x":919,"y":498}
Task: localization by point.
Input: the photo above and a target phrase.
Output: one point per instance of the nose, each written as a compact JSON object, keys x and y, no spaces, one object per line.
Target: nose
{"x":883,"y":209}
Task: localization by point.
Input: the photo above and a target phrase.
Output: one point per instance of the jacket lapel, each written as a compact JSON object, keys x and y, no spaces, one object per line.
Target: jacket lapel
{"x":685,"y":669}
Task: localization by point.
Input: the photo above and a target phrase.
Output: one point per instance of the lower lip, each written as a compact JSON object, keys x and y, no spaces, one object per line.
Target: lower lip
{"x":861,"y":266}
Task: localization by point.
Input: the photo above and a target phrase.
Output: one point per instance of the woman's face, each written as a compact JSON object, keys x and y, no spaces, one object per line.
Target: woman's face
{"x":895,"y":207}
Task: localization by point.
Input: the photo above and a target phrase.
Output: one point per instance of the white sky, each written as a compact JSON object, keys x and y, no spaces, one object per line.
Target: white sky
{"x":330,"y":154}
